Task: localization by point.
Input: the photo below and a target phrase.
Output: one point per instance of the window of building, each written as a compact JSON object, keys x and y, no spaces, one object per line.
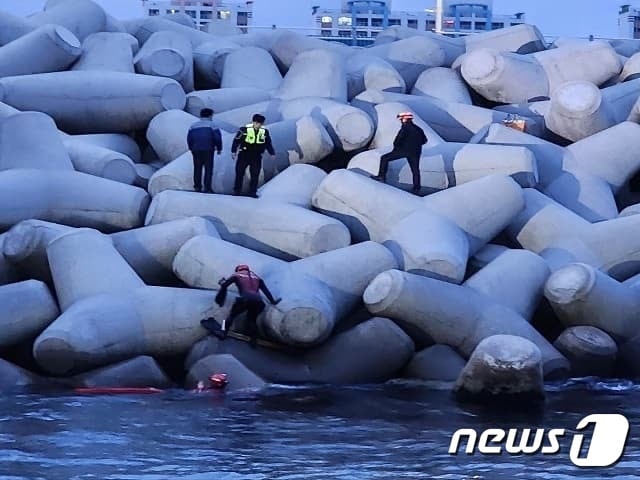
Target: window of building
{"x":481,"y":25}
{"x":344,"y":21}
{"x":361,"y":34}
{"x":394,"y":21}
{"x":374,"y":34}
{"x":153,"y":12}
{"x":243,"y":19}
{"x":465,"y":25}
{"x":376,"y":22}
{"x":206,"y":15}
{"x":224,"y":14}
{"x":172,"y":10}
{"x":362,"y":22}
{"x":325,"y":33}
{"x":344,"y":33}
{"x":327,"y":19}
{"x":412,"y":23}
{"x":497,"y":25}
{"x":191,"y":13}
{"x":430,"y":25}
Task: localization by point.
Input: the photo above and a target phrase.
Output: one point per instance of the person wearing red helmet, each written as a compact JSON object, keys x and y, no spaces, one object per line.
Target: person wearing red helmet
{"x":249,"y":286}
{"x":407,"y":144}
{"x":217,"y":381}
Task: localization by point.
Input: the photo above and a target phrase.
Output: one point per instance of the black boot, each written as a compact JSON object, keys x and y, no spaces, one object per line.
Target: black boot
{"x":415,"y":190}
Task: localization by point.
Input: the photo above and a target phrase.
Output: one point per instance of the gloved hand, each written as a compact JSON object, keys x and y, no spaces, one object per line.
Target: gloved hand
{"x":221,"y":281}
{"x":276,"y":301}
{"x":221,"y":297}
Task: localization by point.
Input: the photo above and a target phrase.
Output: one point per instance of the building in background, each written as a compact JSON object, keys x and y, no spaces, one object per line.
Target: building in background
{"x":238,"y":14}
{"x":628,"y":21}
{"x":359,"y":21}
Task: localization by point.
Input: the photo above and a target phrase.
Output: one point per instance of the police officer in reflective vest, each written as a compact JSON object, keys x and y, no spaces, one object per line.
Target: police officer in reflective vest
{"x":248,"y":146}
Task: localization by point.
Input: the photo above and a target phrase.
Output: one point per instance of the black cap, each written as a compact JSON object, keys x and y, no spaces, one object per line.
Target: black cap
{"x":206,"y":112}
{"x":259,"y":118}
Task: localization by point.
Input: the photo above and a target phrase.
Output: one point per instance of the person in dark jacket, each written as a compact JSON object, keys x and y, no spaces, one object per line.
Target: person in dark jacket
{"x":249,"y":286}
{"x":204,"y":139}
{"x":407,"y":144}
{"x":248,"y":146}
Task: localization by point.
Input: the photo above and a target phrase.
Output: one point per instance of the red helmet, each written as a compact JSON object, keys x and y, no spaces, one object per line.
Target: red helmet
{"x":239,"y":268}
{"x":218,"y":380}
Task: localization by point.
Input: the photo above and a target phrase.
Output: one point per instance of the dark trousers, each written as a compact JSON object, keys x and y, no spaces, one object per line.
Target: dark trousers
{"x":253,"y":307}
{"x":202,"y":160}
{"x":412,"y":157}
{"x":254,"y":162}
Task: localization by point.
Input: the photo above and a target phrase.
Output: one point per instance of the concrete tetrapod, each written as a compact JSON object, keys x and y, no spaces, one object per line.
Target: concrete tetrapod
{"x":151,"y":250}
{"x":71,"y":198}
{"x":317,"y":292}
{"x":14,"y":378}
{"x":515,"y":278}
{"x":27,"y":309}
{"x":509,"y":78}
{"x":315,"y":73}
{"x":50,"y":48}
{"x":458,"y":316}
{"x":107,"y":51}
{"x":224,"y":99}
{"x":579,"y":109}
{"x":294,"y":185}
{"x":84,"y":263}
{"x":287,"y":45}
{"x":107,"y":328}
{"x":439,"y":363}
{"x":100,"y":162}
{"x":82,"y":17}
{"x":450,"y":164}
{"x":118,"y":142}
{"x":93,"y":101}
{"x":561,"y":237}
{"x":365,"y":71}
{"x":590,"y":351}
{"x":295,"y":141}
{"x":401,"y":221}
{"x":631,"y":69}
{"x":503,"y":367}
{"x":142,"y":371}
{"x":411,"y":56}
{"x":373,"y":351}
{"x":8,"y":271}
{"x":504,"y":77}
{"x":582,"y":295}
{"x":274,"y":228}
{"x":31,"y":140}
{"x":209,"y":58}
{"x":144,"y":30}
{"x":167,"y":54}
{"x":454,"y":122}
{"x":443,"y":83}
{"x":25,"y":246}
{"x":521,"y":39}
{"x":240,"y":67}
{"x":167,"y":134}
{"x":453,"y":47}
{"x":13,"y":27}
{"x":575,"y":176}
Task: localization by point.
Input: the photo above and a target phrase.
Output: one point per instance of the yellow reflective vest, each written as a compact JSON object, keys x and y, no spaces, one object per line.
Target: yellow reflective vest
{"x":251,"y":136}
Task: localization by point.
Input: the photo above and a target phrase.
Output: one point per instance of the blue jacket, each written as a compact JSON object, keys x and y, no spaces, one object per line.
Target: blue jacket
{"x":204,"y":136}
